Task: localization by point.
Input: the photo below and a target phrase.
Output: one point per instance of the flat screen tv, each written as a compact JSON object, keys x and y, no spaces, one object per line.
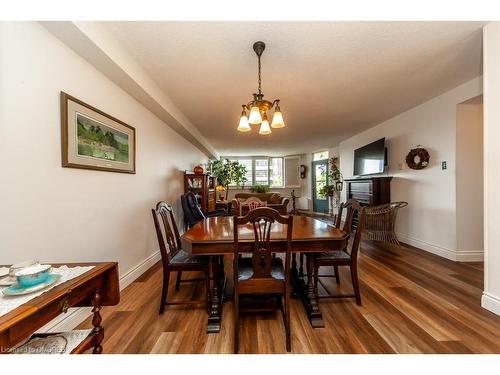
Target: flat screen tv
{"x":370,"y":159}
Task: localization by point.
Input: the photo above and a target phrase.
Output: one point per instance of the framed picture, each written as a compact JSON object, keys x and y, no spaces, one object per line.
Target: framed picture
{"x":92,"y":139}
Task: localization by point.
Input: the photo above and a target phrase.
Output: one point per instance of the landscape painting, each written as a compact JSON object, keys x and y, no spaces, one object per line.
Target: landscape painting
{"x":92,"y":139}
{"x":100,"y":141}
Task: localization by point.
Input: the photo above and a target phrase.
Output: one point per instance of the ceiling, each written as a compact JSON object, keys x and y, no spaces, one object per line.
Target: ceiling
{"x":334,"y":79}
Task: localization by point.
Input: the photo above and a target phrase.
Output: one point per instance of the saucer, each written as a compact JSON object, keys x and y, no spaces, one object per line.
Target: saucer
{"x":17,"y":290}
{"x":7,"y":281}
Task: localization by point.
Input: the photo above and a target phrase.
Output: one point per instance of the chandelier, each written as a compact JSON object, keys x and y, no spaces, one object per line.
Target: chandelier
{"x":259,"y":107}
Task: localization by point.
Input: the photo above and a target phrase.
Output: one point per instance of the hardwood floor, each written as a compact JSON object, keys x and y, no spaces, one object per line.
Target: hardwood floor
{"x":413,"y":302}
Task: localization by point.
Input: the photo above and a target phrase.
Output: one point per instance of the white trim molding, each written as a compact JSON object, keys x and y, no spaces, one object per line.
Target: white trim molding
{"x":457,"y":256}
{"x":68,"y":321}
{"x":490,"y":302}
{"x":426,"y":246}
{"x":470,"y":256}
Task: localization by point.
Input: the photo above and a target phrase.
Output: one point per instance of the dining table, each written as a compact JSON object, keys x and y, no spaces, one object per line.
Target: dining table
{"x":214,"y":237}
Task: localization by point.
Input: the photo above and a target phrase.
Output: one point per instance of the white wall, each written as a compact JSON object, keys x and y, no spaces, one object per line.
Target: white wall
{"x":60,"y":214}
{"x":429,"y":221}
{"x":491,"y":71}
{"x":469,"y":176}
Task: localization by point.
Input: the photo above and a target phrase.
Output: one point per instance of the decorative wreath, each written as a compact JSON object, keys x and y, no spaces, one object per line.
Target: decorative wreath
{"x":418,"y":158}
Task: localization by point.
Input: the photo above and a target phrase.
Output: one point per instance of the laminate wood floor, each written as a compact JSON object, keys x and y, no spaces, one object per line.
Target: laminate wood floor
{"x":413,"y":302}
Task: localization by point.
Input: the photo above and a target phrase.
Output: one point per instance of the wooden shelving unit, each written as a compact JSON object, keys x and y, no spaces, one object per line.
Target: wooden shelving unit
{"x":203,"y":186}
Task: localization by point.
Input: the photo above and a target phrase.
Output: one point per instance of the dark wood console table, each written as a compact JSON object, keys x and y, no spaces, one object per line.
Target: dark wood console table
{"x":370,"y":191}
{"x":97,"y":287}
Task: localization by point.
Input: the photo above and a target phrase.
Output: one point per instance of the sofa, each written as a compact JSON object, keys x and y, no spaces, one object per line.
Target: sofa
{"x":272,"y":200}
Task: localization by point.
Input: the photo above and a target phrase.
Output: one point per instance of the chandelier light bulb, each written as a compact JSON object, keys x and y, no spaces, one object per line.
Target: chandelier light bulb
{"x":278,"y":119}
{"x":255,"y":117}
{"x":264,"y":127}
{"x":243,"y":125}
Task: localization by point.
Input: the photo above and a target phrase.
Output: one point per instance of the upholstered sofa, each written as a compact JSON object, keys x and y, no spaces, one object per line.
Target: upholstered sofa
{"x":272,"y":200}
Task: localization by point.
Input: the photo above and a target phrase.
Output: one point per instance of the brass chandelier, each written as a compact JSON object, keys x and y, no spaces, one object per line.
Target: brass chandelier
{"x":259,"y":107}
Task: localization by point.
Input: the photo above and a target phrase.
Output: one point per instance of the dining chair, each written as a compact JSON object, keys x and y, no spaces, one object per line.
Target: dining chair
{"x":192,"y":211}
{"x":174,"y":259}
{"x":262,"y":274}
{"x":355,"y":215}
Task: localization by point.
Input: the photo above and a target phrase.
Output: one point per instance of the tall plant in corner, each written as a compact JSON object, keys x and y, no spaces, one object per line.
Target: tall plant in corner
{"x":227,"y":172}
{"x":334,"y":183}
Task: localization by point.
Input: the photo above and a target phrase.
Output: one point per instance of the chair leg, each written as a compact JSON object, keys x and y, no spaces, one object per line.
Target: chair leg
{"x":164,"y":290}
{"x":301,"y":266}
{"x":287,"y":322}
{"x":355,"y":284}
{"x":236,"y":322}
{"x":178,"y":281}
{"x":337,"y":277}
{"x":316,"y":277}
{"x":207,"y":285}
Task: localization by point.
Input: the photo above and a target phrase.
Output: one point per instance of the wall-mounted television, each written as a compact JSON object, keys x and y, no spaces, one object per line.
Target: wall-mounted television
{"x":370,"y":159}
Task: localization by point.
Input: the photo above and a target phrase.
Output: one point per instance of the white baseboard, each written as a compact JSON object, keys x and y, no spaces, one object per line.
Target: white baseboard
{"x":470,"y":256}
{"x":68,"y":321}
{"x":491,"y":303}
{"x":431,"y":248}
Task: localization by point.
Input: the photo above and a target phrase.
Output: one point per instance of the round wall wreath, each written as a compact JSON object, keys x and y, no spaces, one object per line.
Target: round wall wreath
{"x":418,"y":158}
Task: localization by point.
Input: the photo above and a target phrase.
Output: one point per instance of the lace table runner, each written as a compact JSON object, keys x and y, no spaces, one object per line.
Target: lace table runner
{"x":9,"y":303}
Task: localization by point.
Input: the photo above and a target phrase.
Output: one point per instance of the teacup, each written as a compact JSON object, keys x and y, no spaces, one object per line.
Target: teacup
{"x":33,"y":275}
{"x":19,"y":266}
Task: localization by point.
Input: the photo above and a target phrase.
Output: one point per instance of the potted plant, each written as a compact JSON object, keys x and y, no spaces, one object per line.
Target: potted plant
{"x":226,"y":172}
{"x":334,"y":183}
{"x":260,"y":188}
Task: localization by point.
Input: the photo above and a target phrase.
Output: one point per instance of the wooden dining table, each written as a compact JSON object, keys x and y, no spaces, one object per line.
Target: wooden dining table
{"x":214,"y":236}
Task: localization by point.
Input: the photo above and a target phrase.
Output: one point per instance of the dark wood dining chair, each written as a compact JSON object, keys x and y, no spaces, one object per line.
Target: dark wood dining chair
{"x":174,"y":259}
{"x":262,"y":273}
{"x":338,"y":258}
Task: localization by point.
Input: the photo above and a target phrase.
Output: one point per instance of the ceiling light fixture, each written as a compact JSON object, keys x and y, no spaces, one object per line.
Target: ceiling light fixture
{"x":258,"y":107}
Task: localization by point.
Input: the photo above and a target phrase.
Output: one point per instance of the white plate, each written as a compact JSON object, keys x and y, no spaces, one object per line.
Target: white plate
{"x":4,"y":271}
{"x":7,"y":281}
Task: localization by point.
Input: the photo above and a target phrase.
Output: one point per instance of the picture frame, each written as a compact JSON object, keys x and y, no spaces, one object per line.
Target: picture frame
{"x":93,"y":139}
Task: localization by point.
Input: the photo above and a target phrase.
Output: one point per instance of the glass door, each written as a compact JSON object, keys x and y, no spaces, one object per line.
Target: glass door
{"x":319,"y":179}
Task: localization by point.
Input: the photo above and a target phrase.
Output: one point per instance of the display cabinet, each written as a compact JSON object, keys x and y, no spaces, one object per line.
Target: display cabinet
{"x":203,"y":187}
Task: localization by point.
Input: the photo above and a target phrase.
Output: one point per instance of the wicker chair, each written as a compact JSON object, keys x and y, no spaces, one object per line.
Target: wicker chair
{"x":380,"y":222}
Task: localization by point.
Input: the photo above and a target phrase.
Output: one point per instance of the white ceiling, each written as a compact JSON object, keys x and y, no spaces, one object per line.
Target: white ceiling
{"x":334,"y":79}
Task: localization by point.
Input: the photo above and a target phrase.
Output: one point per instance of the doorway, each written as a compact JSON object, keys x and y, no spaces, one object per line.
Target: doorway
{"x":319,"y":179}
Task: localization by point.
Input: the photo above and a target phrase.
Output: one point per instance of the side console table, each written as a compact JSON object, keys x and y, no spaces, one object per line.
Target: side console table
{"x":97,"y":287}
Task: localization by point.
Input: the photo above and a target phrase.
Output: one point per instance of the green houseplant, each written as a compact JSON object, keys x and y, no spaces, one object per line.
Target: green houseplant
{"x":334,"y":180}
{"x":260,"y":188}
{"x":226,"y":171}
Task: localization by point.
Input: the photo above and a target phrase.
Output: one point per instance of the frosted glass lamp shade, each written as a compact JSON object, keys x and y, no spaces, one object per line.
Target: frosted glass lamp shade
{"x":255,"y":117}
{"x":243,"y":126}
{"x":264,"y":127}
{"x":278,"y":120}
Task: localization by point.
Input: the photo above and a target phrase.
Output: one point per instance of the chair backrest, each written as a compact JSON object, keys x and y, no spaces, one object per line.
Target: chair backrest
{"x":262,"y":220}
{"x":358,"y":231}
{"x":254,"y":202}
{"x":351,"y":206}
{"x":192,"y":212}
{"x":167,"y":231}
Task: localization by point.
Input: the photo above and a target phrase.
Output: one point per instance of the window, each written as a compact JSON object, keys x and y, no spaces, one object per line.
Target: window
{"x":248,"y":164}
{"x":320,"y":155}
{"x":276,"y":172}
{"x":262,"y":170}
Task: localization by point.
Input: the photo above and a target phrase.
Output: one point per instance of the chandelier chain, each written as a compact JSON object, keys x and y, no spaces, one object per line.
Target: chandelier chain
{"x":260,"y":78}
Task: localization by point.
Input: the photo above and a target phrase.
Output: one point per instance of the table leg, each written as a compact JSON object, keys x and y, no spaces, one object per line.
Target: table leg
{"x":217,"y":294}
{"x":307,"y":293}
{"x":98,"y":330}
